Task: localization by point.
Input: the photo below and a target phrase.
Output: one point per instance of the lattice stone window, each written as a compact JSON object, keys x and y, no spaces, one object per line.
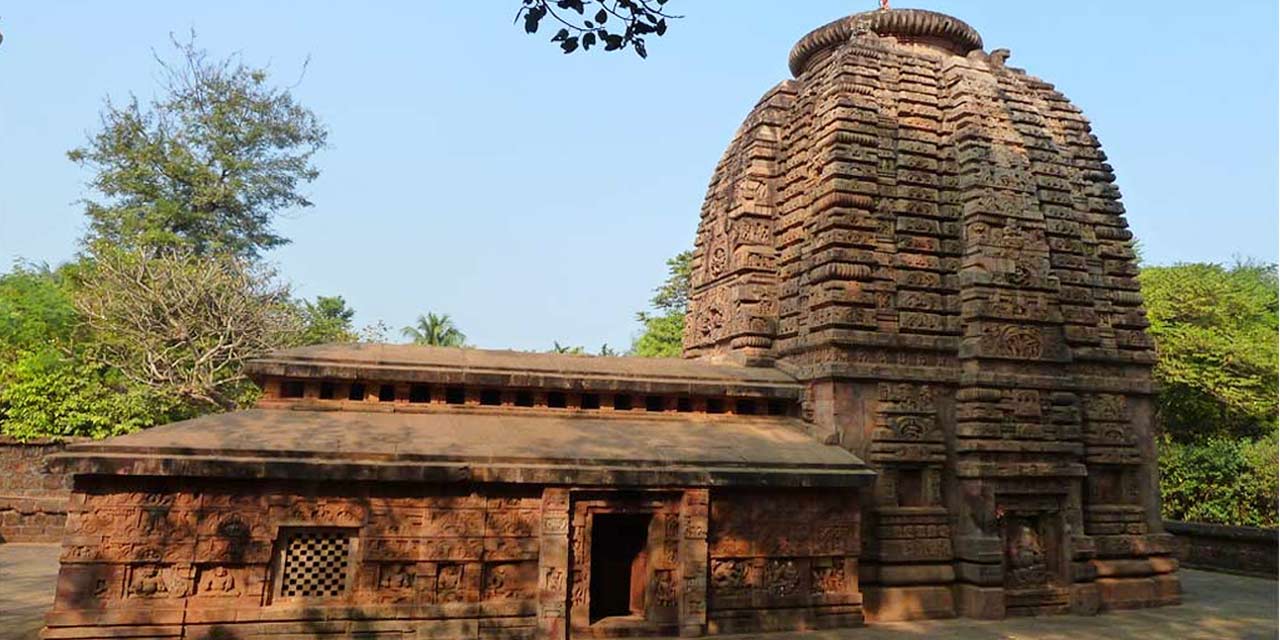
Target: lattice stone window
{"x":315,"y":563}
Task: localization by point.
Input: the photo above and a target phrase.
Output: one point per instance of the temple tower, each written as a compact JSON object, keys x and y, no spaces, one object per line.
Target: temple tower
{"x":933,"y":243}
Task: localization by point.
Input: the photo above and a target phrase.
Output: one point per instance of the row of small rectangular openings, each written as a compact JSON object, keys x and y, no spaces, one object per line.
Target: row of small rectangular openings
{"x":422,"y":394}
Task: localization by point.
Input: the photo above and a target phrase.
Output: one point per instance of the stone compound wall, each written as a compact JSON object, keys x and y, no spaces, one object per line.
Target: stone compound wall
{"x":1247,"y":550}
{"x":33,"y":502}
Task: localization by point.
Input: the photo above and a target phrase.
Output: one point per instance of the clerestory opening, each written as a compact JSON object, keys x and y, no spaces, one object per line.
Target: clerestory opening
{"x":355,"y":391}
{"x":419,"y":393}
{"x":386,"y":393}
{"x":292,"y":389}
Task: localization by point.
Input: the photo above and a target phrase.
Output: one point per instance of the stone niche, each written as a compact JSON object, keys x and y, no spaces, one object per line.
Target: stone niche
{"x":1036,"y":564}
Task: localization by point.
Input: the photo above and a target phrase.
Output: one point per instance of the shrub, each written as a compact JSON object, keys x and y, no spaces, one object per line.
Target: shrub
{"x":1221,"y":480}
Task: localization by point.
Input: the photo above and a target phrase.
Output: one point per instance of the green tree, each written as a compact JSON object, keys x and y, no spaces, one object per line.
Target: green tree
{"x":435,"y":330}
{"x":1215,"y":330}
{"x":35,"y":310}
{"x":663,"y":332}
{"x":1221,"y":480}
{"x":49,"y":393}
{"x":206,"y":166}
{"x":662,"y":337}
{"x":326,"y":320}
{"x":48,"y":385}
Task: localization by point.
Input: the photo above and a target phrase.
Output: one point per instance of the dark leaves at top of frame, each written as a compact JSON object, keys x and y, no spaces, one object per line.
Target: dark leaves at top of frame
{"x":618,"y":24}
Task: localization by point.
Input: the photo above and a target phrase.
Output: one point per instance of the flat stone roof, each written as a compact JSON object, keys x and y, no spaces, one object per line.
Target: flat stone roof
{"x":478,"y":445}
{"x":452,"y":365}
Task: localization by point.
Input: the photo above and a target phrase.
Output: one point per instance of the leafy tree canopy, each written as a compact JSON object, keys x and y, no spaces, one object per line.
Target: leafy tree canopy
{"x":35,"y":309}
{"x":1222,"y":480}
{"x":206,"y":166}
{"x":663,"y":332}
{"x":673,"y":295}
{"x":326,"y":320}
{"x":48,"y":384}
{"x":662,"y":337}
{"x":435,"y":330}
{"x":48,"y":393}
{"x":1215,"y":330}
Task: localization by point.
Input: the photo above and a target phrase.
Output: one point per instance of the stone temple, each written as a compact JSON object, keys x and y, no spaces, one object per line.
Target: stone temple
{"x":916,"y":385}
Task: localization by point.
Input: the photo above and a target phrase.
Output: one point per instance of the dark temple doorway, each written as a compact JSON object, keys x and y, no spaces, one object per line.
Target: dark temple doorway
{"x":619,"y":563}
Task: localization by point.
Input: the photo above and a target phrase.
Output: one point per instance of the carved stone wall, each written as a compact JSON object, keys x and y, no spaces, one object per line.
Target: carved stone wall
{"x":781,"y":561}
{"x":951,"y":272}
{"x":200,"y":556}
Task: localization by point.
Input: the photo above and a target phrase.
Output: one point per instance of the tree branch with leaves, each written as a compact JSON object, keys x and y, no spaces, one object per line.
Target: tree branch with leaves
{"x":583,"y":24}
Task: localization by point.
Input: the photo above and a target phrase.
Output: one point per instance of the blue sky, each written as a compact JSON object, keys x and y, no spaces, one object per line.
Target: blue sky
{"x":534,"y":196}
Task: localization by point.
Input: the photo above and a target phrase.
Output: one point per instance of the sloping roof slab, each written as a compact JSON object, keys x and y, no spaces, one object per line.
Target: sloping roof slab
{"x":477,"y":446}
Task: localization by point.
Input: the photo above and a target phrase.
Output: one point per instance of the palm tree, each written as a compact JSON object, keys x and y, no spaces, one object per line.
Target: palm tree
{"x":563,"y":348}
{"x":435,"y":330}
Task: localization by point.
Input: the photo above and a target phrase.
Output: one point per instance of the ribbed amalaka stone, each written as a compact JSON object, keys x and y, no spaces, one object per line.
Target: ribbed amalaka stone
{"x":933,"y":242}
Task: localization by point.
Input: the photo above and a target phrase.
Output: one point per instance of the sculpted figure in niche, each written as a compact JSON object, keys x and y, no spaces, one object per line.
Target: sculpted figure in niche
{"x":828,"y":580}
{"x":496,"y":582}
{"x":219,"y":582}
{"x":449,"y":583}
{"x":401,"y":577}
{"x":784,"y":577}
{"x":729,"y":574}
{"x":664,"y":589}
{"x":148,"y":582}
{"x":1024,"y":555}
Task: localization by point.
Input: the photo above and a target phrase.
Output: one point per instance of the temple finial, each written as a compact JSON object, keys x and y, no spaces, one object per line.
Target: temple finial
{"x":884,"y":5}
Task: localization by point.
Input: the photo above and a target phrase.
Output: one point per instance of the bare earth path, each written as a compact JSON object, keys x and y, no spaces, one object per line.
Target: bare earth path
{"x":1214,"y":606}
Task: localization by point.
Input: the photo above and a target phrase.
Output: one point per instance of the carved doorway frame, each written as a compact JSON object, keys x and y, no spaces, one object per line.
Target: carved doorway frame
{"x":663,"y":572}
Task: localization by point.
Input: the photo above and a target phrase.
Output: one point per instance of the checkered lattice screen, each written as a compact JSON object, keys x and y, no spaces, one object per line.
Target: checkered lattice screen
{"x":315,"y":564}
